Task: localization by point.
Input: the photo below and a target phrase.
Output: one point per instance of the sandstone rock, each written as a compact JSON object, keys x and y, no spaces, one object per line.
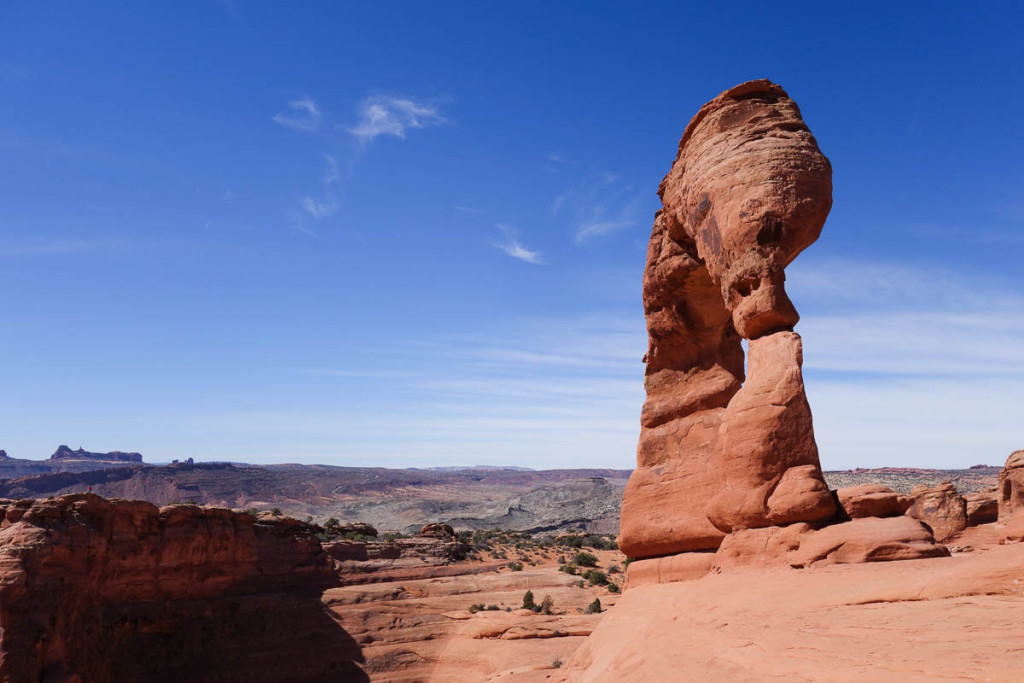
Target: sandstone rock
{"x":871,"y":500}
{"x":941,"y":508}
{"x":680,"y":567}
{"x":764,"y":547}
{"x":437,"y":530}
{"x":1013,"y":532}
{"x":871,"y":539}
{"x":1011,"y":486}
{"x":749,"y":190}
{"x":107,"y":590}
{"x":982,"y":507}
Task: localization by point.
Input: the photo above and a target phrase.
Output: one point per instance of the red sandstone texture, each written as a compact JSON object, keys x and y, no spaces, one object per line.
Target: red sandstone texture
{"x":749,"y":190}
{"x":111,"y":590}
{"x":941,"y":508}
{"x":1011,"y":486}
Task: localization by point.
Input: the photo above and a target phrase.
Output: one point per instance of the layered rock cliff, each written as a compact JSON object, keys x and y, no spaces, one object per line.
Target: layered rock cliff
{"x":112,"y":590}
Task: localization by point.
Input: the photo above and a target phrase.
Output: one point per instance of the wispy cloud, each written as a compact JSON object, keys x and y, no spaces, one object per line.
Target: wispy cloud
{"x":318,"y":208}
{"x":511,"y":246}
{"x":599,"y":206}
{"x":468,"y":209}
{"x":305,"y":115}
{"x":41,"y":246}
{"x":383,"y":115}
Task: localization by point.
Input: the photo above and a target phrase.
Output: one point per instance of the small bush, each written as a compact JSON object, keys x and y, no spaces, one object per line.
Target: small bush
{"x":561,"y":559}
{"x":493,"y":608}
{"x":613,"y":588}
{"x":528,"y":602}
{"x":627,"y":562}
{"x":557,"y":664}
{"x":585,"y":559}
{"x":594,"y":607}
{"x":614,"y":569}
{"x":331,"y":522}
{"x":546,"y":604}
{"x":515,"y":566}
{"x":478,"y":607}
{"x":596,"y":577}
{"x":568,"y":569}
{"x":276,"y":512}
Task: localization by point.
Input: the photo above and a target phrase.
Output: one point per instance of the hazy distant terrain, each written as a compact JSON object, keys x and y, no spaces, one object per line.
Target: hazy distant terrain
{"x":397,"y":499}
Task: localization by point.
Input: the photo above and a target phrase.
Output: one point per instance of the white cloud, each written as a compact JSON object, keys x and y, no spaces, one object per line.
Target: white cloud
{"x":318,"y":208}
{"x":382,"y":115}
{"x":333,"y":175}
{"x":511,"y":246}
{"x":308,"y":118}
{"x":599,"y":206}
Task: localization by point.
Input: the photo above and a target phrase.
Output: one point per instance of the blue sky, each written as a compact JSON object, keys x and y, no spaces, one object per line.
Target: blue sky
{"x":412,"y":234}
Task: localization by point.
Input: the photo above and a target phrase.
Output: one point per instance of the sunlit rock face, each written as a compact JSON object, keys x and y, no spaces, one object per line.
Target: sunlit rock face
{"x":749,"y":190}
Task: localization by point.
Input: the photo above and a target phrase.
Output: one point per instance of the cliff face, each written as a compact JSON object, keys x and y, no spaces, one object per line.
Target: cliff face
{"x":65,"y":453}
{"x":102,"y":590}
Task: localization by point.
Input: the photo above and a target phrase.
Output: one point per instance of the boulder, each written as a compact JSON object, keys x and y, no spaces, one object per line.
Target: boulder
{"x":940,"y":507}
{"x":749,"y":190}
{"x":870,"y":539}
{"x":1011,"y":486}
{"x":437,"y":530}
{"x":982,"y":507}
{"x":871,"y":500}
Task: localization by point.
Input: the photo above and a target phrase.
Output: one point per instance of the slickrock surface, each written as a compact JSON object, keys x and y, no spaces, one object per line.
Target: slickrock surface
{"x":112,"y":590}
{"x":749,"y":190}
{"x":945,"y":619}
{"x":413,"y":621}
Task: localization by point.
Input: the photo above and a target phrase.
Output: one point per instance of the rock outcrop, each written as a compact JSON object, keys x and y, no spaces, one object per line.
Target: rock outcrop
{"x":749,"y":190}
{"x":1011,"y":486}
{"x":871,"y":500}
{"x":941,"y":508}
{"x":65,"y":453}
{"x":437,"y":530}
{"x":112,"y":590}
{"x":982,"y":507}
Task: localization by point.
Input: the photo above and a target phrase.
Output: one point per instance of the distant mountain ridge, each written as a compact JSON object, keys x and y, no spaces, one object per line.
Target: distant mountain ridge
{"x":65,"y":453}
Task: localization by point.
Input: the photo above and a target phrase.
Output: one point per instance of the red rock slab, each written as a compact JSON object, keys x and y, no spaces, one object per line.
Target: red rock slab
{"x":917,"y":621}
{"x":871,"y":500}
{"x":941,"y":508}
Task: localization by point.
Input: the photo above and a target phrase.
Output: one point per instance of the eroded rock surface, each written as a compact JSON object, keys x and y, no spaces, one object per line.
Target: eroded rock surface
{"x":941,"y":508}
{"x":749,"y":191}
{"x":112,"y":590}
{"x":1011,"y":486}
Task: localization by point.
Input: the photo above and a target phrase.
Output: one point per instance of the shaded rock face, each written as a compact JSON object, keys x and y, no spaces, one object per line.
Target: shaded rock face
{"x":103,"y":590}
{"x":65,"y":453}
{"x":1011,"y":486}
{"x":982,"y":507}
{"x":437,"y":530}
{"x":941,"y":508}
{"x":749,"y":190}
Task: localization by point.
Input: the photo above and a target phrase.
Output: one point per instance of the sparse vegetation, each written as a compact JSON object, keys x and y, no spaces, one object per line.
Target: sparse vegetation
{"x":594,"y":607}
{"x":515,"y":566}
{"x":613,"y":588}
{"x":546,"y":604}
{"x":528,"y":602}
{"x":584,"y":559}
{"x":596,"y":577}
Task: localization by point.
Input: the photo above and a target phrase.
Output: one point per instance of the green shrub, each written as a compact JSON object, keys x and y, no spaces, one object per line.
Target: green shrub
{"x":493,"y":608}
{"x":561,"y":559}
{"x":331,"y":522}
{"x":528,"y":602}
{"x":585,"y":559}
{"x":515,"y":566}
{"x":596,"y":577}
{"x":568,"y":569}
{"x":477,"y":607}
{"x":594,"y":607}
{"x":613,"y":588}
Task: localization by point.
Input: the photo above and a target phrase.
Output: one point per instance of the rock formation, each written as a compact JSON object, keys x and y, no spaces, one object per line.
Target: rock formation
{"x":65,"y":453}
{"x":1011,"y":486}
{"x":106,"y":590}
{"x":941,"y":508}
{"x":749,"y":190}
{"x":982,"y":507}
{"x":871,"y":500}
